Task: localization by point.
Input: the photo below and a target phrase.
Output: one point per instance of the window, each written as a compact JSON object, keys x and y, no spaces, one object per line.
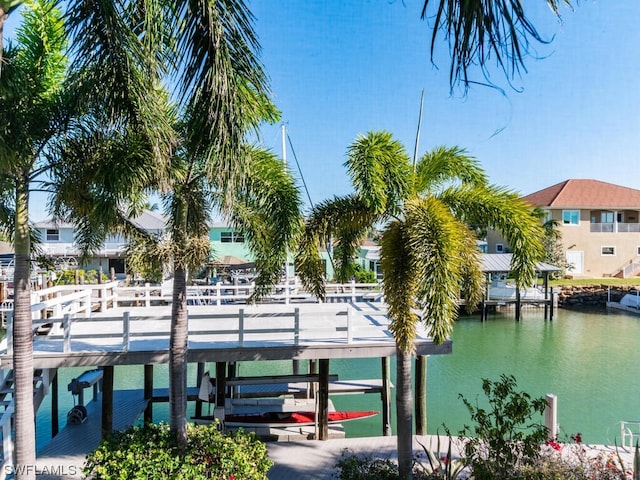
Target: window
{"x":571,"y":217}
{"x":231,"y":237}
{"x":638,"y":250}
{"x":606,"y":217}
{"x":53,"y":235}
{"x":499,"y":248}
{"x":608,"y":251}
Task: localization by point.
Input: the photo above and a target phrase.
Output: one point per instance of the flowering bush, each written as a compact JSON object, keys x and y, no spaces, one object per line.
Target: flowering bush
{"x":574,"y":461}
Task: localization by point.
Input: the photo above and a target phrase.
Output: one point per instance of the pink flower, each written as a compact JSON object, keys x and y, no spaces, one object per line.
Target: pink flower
{"x":555,"y":445}
{"x":577,"y":437}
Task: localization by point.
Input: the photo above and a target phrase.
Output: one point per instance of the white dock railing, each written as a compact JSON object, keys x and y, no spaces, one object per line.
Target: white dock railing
{"x":82,"y":299}
{"x":629,"y":433}
{"x":231,"y":328}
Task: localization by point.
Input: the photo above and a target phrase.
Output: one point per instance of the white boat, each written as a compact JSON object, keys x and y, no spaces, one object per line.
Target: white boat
{"x":630,"y":302}
{"x":504,"y":291}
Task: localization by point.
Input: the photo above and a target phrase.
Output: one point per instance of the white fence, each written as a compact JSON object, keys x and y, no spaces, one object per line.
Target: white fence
{"x":234,"y":327}
{"x":73,"y":299}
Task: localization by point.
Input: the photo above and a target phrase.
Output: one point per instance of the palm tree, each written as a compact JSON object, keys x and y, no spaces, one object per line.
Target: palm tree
{"x":123,"y":138}
{"x":180,"y":87}
{"x":265,"y":206}
{"x":428,"y":252}
{"x":31,"y":117}
{"x":479,"y":31}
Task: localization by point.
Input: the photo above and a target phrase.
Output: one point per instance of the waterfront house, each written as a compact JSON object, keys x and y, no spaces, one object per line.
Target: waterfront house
{"x":599,"y":223}
{"x":58,"y":243}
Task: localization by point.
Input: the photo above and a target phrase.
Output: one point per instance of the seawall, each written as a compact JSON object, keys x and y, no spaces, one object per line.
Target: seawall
{"x":590,"y":295}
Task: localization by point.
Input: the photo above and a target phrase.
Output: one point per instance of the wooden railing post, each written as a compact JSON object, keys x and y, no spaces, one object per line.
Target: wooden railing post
{"x":353,"y":291}
{"x":66,"y":325}
{"x":296,"y":323}
{"x":126,"y":330}
{"x":349,"y":323}
{"x":57,"y":308}
{"x":287,"y":298}
{"x":10,"y":333}
{"x":87,"y":302}
{"x":103,"y":298}
{"x":147,"y":295}
{"x":241,"y":327}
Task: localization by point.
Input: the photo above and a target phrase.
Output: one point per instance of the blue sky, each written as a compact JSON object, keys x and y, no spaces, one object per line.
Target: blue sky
{"x":340,"y":68}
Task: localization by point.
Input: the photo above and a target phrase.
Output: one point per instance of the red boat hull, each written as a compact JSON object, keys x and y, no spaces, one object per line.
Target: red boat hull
{"x":286,"y":419}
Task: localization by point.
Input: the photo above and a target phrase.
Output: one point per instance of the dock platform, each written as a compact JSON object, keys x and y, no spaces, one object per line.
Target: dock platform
{"x":64,"y":456}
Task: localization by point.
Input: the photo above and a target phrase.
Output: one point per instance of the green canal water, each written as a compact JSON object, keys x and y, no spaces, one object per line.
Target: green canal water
{"x":590,"y":360}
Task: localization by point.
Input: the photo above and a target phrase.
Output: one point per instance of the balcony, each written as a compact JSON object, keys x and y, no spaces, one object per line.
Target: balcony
{"x":615,"y":227}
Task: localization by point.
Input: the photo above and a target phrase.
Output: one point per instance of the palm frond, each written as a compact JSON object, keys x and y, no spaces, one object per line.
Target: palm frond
{"x":220,"y":79}
{"x":43,"y":42}
{"x":380,"y":170}
{"x":503,"y":210}
{"x":439,"y":243}
{"x":267,"y":211}
{"x":114,"y":170}
{"x":400,"y":284}
{"x":341,"y":223}
{"x":447,"y":165}
{"x":110,"y":52}
{"x":478,"y":30}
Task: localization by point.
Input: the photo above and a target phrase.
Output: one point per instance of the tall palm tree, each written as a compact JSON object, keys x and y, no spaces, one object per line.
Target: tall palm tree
{"x":181,"y":86}
{"x":126,"y":55}
{"x":481,"y":31}
{"x":265,"y":206}
{"x":31,"y":118}
{"x":428,"y":252}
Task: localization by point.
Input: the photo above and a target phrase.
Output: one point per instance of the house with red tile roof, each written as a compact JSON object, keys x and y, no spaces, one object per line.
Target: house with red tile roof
{"x":599,"y":223}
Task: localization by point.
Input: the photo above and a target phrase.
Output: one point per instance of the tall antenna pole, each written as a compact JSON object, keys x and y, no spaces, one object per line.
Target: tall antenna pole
{"x":415,"y":151}
{"x":284,"y":144}
{"x":286,"y":261}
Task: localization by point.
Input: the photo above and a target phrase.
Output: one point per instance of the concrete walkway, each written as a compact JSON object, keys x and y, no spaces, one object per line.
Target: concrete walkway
{"x":316,"y":460}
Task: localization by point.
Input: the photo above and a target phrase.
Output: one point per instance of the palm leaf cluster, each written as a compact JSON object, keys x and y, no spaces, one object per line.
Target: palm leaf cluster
{"x":429,"y":255}
{"x":482,"y":31}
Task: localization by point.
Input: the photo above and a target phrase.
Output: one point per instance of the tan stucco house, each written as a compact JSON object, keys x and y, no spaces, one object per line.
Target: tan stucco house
{"x":600,"y":226}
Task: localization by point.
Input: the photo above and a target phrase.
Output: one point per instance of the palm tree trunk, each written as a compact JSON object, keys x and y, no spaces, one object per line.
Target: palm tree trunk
{"x":178,"y":357}
{"x":404,"y":413}
{"x":25,"y":435}
{"x":178,"y":343}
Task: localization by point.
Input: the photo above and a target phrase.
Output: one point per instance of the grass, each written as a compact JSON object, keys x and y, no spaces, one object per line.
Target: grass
{"x":596,"y":281}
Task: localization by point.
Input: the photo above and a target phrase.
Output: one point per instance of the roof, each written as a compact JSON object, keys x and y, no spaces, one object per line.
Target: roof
{"x":584,"y":193}
{"x":501,"y":262}
{"x":147,"y":220}
{"x":150,"y":220}
{"x":51,"y":223}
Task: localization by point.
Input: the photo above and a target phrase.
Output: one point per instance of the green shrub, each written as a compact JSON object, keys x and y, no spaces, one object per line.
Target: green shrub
{"x":505,"y":436}
{"x":150,"y":453}
{"x":364,"y":276}
{"x":353,"y":467}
